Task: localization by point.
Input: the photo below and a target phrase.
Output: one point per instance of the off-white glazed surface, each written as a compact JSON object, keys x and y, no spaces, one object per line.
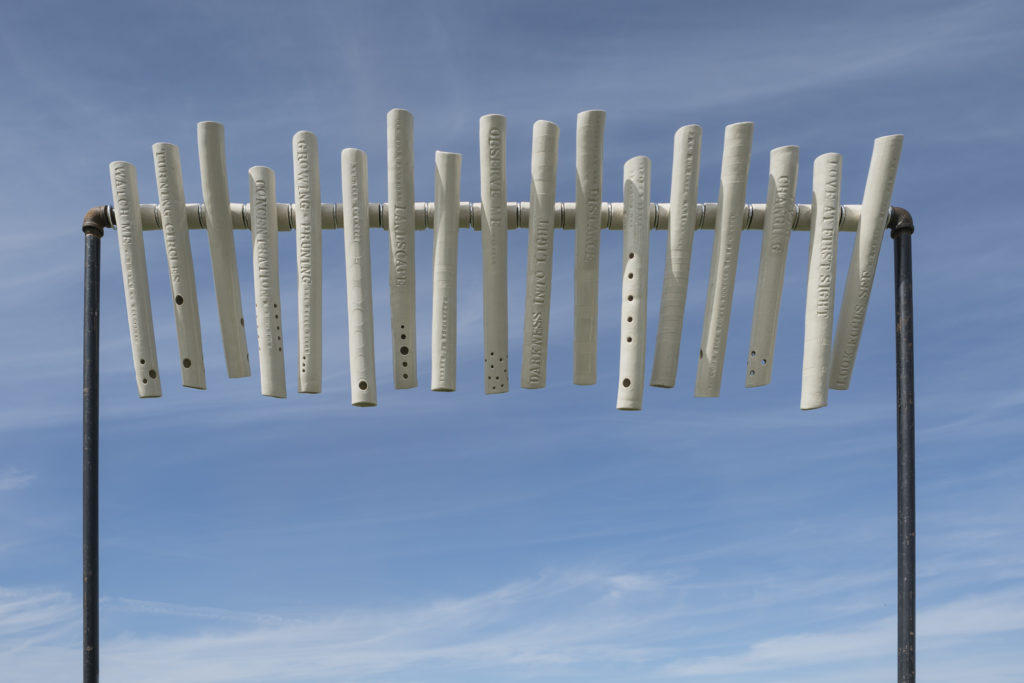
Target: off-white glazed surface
{"x":494,"y":248}
{"x":682,"y":218}
{"x":636,"y":196}
{"x":171,"y":196}
{"x":266,"y":280}
{"x":125,"y":187}
{"x":358,"y":284}
{"x":309,"y":260}
{"x":778,"y":226}
{"x":821,"y":280}
{"x":722,"y":280}
{"x":401,"y":240}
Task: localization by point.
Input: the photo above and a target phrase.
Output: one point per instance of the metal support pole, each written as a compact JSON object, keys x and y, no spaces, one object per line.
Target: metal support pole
{"x":902,"y":226}
{"x":95,"y":220}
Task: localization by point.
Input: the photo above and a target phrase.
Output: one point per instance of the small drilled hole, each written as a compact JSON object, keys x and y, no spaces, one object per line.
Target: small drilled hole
{"x":625,"y":382}
{"x":403,"y":336}
{"x":186,"y":362}
{"x":629,"y":298}
{"x":152,"y":373}
{"x":404,"y":350}
{"x":179,"y":299}
{"x":142,"y":361}
{"x":629,"y":275}
{"x":405,"y":376}
{"x":629,"y":339}
{"x":753,"y":353}
{"x":405,"y":364}
{"x":631,"y":254}
{"x":145,"y":381}
{"x":764,"y":362}
{"x":751,"y":372}
{"x":362,"y":385}
{"x":629,"y":319}
{"x":701,"y":354}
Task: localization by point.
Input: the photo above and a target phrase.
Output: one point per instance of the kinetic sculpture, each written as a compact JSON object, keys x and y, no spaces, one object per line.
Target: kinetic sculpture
{"x":825,"y":365}
{"x":828,"y":359}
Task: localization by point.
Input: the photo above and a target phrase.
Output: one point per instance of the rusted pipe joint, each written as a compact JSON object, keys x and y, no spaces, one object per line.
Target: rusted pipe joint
{"x":900,"y":221}
{"x":96,"y":219}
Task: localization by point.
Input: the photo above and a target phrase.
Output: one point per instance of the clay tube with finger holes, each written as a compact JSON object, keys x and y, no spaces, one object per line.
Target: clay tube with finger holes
{"x":219,"y":231}
{"x":125,"y":187}
{"x":636,"y":199}
{"x":821,"y":280}
{"x":401,"y":235}
{"x":309,"y":259}
{"x":724,"y":254}
{"x":174,"y":223}
{"x":682,"y":219}
{"x":779,"y":213}
{"x":494,"y":239}
{"x":266,"y":280}
{"x":447,"y":172}
{"x":543,"y":167}
{"x":589,"y":168}
{"x":357,"y":277}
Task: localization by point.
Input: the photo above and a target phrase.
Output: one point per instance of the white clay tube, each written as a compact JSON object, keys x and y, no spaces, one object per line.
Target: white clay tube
{"x":778,"y":226}
{"x":447,"y":174}
{"x":636,"y":200}
{"x":589,"y":168}
{"x":728,"y":224}
{"x":266,"y":281}
{"x":543,"y":169}
{"x":401,"y":232}
{"x":125,"y":188}
{"x":682,"y":219}
{"x":309,"y":260}
{"x":821,"y":280}
{"x":217,"y":217}
{"x":494,"y":239}
{"x":171,"y":193}
{"x":357,"y":277}
{"x":885,"y":159}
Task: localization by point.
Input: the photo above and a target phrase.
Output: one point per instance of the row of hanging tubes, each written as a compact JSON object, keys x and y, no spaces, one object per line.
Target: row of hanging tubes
{"x":824,"y":365}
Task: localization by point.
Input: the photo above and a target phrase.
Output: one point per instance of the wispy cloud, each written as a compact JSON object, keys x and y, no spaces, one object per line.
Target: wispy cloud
{"x":13,"y":478}
{"x":627,"y":626}
{"x":945,"y":625}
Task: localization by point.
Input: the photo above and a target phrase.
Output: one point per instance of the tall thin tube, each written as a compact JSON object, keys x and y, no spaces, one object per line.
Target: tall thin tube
{"x":902,"y":227}
{"x":93,"y":229}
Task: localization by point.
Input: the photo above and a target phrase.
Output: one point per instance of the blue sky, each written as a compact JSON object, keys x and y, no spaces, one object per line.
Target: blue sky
{"x":537,"y":535}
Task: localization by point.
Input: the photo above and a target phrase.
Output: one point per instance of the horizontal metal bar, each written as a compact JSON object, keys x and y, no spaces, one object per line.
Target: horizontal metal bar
{"x":470,"y":216}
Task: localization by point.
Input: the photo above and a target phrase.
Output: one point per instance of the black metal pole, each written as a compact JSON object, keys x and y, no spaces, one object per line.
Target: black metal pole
{"x":901,"y":227}
{"x":92,"y":226}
